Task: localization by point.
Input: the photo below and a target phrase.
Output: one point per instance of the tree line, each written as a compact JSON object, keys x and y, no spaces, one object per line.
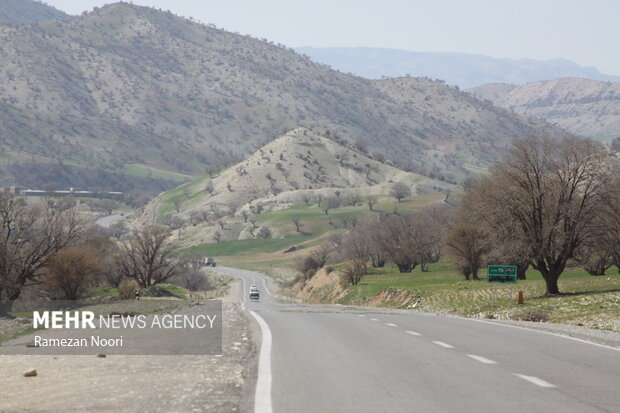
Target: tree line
{"x":549,"y":204}
{"x":48,"y":251}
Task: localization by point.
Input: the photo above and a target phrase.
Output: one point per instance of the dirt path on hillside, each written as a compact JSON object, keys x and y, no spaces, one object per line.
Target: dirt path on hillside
{"x":137,"y":383}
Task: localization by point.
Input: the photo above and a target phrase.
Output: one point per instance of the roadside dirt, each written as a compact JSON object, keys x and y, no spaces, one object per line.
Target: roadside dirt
{"x":137,"y":383}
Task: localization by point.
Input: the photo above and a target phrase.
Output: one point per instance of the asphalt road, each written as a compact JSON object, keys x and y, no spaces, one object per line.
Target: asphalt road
{"x":109,"y":220}
{"x":332,"y":358}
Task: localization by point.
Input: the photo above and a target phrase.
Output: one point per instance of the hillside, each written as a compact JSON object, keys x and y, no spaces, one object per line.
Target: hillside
{"x":464,"y":70}
{"x":300,"y":167}
{"x":134,"y":90}
{"x":585,"y":107}
{"x":13,"y":12}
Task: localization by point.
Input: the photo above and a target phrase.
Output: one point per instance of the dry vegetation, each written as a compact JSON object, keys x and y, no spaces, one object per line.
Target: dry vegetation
{"x":134,"y":90}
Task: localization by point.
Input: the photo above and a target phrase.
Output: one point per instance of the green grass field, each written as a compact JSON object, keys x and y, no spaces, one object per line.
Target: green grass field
{"x":586,"y":300}
{"x":245,"y":246}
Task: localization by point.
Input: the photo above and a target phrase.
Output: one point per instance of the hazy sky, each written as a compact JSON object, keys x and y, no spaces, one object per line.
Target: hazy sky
{"x":584,"y":31}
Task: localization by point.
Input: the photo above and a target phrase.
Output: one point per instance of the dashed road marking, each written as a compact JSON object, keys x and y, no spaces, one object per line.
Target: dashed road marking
{"x":442,"y":344}
{"x":391,"y":324}
{"x":481,"y":359}
{"x":361,"y":315}
{"x":535,"y":380}
{"x":374,"y":319}
{"x":413,"y":333}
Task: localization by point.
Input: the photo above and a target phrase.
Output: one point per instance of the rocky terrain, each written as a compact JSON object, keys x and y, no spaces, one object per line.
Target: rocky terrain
{"x":135,"y":90}
{"x":299,"y":167}
{"x":582,"y":106}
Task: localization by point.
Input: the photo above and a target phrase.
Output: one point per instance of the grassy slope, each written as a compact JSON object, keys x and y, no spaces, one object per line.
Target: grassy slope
{"x":592,"y":301}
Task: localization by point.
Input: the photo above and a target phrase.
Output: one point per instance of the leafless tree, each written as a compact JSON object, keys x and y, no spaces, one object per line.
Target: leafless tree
{"x":467,"y":245}
{"x":298,"y":224}
{"x":371,"y":201}
{"x":330,"y":203}
{"x":209,"y":187}
{"x":30,"y":236}
{"x":146,"y":257}
{"x":71,"y":271}
{"x":400,"y":190}
{"x":552,"y":194}
{"x":177,"y":204}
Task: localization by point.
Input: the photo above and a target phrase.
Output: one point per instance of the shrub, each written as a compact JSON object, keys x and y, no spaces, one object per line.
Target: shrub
{"x":530,"y":314}
{"x":307,"y":266}
{"x":127,"y":288}
{"x":352,"y":272}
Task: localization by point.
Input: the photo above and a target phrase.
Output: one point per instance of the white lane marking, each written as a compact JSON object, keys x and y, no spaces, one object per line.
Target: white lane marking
{"x":442,"y":344}
{"x":535,"y":380}
{"x":481,"y":359}
{"x":243,"y":295}
{"x":413,"y":333}
{"x":374,"y":319}
{"x":266,"y":289}
{"x":391,"y":324}
{"x":361,"y":315}
{"x":542,"y":332}
{"x":262,"y":397}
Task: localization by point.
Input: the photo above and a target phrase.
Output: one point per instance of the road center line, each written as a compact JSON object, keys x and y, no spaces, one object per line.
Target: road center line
{"x":535,"y":380}
{"x":391,"y":324}
{"x":481,"y":359}
{"x":361,"y":315}
{"x":266,"y":289}
{"x":413,"y":333}
{"x":374,"y":319}
{"x":262,"y":397}
{"x":442,"y":344}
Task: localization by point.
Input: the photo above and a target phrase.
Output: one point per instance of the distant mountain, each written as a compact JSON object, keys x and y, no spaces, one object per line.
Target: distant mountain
{"x":463,"y":70}
{"x":585,"y":107}
{"x":13,"y":12}
{"x":133,"y":90}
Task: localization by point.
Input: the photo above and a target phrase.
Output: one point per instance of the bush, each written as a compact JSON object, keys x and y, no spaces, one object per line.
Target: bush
{"x":353,"y":272}
{"x":307,"y":266}
{"x":193,"y":280}
{"x":127,"y":288}
{"x":530,"y":314}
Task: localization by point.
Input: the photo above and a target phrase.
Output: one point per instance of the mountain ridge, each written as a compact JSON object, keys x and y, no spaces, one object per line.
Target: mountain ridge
{"x":14,"y":12}
{"x":462,"y":69}
{"x":585,"y":107}
{"x":127,"y":87}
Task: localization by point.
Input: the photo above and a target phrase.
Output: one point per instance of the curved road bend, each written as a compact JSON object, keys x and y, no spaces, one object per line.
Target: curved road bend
{"x":332,"y":358}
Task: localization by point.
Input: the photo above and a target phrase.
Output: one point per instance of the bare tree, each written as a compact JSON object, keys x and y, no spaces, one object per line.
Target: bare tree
{"x":30,"y":236}
{"x":398,"y":239}
{"x":209,"y":187}
{"x":371,"y":201}
{"x":177,"y":204}
{"x":400,"y":190}
{"x":146,"y":257}
{"x":298,"y":224}
{"x":330,"y":203}
{"x":71,"y":271}
{"x":467,"y":245}
{"x":552,"y":194}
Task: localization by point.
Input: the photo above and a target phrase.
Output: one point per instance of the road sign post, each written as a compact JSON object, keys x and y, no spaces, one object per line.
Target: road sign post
{"x":505,"y":274}
{"x":502,"y":274}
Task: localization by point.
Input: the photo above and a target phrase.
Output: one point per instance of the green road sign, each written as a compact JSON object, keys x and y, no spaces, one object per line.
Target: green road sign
{"x":502,"y":273}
